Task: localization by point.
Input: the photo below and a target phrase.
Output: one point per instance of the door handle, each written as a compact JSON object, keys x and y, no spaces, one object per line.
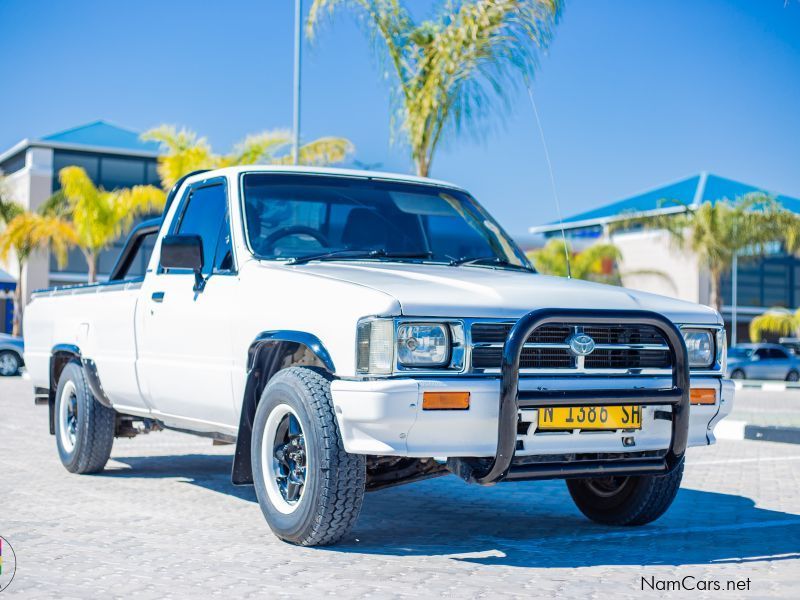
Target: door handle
{"x":157,"y":296}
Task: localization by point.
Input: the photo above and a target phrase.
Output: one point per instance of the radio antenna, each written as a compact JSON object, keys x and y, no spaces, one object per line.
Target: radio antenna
{"x":552,"y":181}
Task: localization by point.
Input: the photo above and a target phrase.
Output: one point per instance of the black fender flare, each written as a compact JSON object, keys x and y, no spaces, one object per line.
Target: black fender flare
{"x":268,"y":354}
{"x":60,"y":355}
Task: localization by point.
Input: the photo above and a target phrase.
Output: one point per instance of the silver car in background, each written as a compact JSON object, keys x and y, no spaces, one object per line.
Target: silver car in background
{"x":763,"y":361}
{"x":11,"y":352}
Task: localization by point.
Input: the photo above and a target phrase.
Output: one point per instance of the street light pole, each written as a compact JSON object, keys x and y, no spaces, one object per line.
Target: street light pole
{"x":734,"y":296}
{"x":298,"y":13}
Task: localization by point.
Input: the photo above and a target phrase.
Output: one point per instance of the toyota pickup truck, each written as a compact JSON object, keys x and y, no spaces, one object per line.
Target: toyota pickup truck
{"x":350,"y":331}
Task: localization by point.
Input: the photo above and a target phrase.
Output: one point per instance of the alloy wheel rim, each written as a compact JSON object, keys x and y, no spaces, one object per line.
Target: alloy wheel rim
{"x":607,"y":487}
{"x":8,"y":364}
{"x":284,"y":460}
{"x":68,"y":416}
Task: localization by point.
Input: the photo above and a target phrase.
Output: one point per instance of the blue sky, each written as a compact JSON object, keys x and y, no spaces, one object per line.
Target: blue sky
{"x":631,"y":94}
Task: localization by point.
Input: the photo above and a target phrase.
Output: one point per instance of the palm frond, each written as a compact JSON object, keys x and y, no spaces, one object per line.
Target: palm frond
{"x":9,"y":209}
{"x":322,"y":151}
{"x":777,"y":321}
{"x":31,"y":231}
{"x":182,"y":152}
{"x":258,"y":148}
{"x":136,"y":201}
{"x":57,"y":205}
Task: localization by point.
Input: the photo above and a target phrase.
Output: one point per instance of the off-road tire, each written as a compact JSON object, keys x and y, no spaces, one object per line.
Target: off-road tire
{"x":638,"y":501}
{"x":95,"y":426}
{"x":334,"y":485}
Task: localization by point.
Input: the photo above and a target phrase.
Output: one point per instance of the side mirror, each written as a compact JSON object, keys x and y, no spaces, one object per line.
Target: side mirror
{"x":184,"y":252}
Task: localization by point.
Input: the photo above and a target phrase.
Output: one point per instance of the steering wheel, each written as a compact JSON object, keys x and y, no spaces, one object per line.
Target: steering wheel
{"x":279,"y":234}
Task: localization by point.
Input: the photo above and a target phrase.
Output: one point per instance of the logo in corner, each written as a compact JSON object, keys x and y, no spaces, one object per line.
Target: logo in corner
{"x":581,"y":344}
{"x":8,"y":563}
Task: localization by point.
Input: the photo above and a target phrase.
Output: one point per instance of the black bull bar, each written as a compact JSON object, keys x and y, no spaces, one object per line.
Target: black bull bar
{"x":488,"y":471}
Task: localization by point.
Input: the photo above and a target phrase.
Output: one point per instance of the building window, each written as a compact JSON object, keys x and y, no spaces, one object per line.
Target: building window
{"x":765,"y":282}
{"x":13,"y":164}
{"x":118,"y":173}
{"x":88,"y":162}
{"x":152,"y":177}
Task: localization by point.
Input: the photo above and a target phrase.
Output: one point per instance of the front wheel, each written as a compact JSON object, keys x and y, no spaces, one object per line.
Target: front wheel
{"x":626,"y":500}
{"x":793,"y":376}
{"x":738,"y":374}
{"x":309,"y":488}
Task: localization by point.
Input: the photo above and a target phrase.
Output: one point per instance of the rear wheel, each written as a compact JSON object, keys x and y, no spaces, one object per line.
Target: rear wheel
{"x":738,"y":374}
{"x":793,"y":376}
{"x":9,"y":363}
{"x":309,"y":488}
{"x":84,"y":427}
{"x":625,"y":500}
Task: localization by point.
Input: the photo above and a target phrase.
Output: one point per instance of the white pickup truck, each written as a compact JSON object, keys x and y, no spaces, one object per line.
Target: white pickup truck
{"x":350,"y":331}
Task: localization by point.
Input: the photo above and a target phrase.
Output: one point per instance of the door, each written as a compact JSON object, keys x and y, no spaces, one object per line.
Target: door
{"x":759,"y":366}
{"x":185,"y":358}
{"x":779,"y":363}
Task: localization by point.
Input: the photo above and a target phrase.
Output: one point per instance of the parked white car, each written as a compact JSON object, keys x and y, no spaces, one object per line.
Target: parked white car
{"x":353,"y":330}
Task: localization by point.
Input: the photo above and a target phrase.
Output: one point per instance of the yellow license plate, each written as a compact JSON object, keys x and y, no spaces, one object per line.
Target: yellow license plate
{"x":591,"y":417}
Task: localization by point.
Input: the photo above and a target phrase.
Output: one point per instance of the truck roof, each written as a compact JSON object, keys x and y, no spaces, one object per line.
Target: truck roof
{"x":310,"y":170}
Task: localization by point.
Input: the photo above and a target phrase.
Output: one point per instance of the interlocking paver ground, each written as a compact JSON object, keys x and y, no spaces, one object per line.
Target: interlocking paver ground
{"x":164,"y":522}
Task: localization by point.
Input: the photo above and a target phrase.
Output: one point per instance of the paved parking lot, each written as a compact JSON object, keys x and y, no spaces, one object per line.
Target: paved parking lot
{"x":768,"y":408}
{"x":164,"y":521}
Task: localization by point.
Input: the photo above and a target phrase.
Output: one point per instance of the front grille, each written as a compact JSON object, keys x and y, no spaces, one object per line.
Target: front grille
{"x":617,"y":347}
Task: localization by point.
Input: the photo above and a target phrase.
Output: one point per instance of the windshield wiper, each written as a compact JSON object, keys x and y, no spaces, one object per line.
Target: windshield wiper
{"x":355,"y":254}
{"x":496,"y":260}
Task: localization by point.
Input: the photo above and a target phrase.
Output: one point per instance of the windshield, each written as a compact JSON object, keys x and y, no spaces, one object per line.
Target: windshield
{"x":289,"y":217}
{"x":740,"y":352}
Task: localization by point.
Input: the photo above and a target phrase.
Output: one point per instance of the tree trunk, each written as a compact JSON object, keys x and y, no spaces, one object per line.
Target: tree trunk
{"x":716,"y":298}
{"x":423,"y":166}
{"x":91,"y":261}
{"x":19,"y":305}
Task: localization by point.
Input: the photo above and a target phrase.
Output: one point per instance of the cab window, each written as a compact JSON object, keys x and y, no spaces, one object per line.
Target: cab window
{"x":206,"y":214}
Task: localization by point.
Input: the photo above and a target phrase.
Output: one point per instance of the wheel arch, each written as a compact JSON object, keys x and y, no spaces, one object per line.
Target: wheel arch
{"x":60,"y":356}
{"x":270,"y":352}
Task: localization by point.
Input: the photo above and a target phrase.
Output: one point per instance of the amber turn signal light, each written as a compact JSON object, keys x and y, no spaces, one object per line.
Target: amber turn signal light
{"x":445,"y":400}
{"x":703,"y":396}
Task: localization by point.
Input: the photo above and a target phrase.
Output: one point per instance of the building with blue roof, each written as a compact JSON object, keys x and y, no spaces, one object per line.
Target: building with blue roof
{"x":113,"y":156}
{"x":651,"y":261}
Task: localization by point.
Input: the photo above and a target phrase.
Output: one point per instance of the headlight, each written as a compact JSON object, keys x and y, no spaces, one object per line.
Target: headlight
{"x":423,"y":345}
{"x":700,"y":347}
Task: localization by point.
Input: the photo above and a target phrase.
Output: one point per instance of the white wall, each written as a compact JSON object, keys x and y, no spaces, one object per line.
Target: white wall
{"x":679,"y":274}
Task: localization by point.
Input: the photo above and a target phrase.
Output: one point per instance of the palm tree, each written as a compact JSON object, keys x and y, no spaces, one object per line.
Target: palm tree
{"x":778,"y":321}
{"x":96,"y":216}
{"x":592,"y":263}
{"x":599,"y":262}
{"x":716,"y":232}
{"x":451,"y":69}
{"x":183,"y":151}
{"x":24,"y":233}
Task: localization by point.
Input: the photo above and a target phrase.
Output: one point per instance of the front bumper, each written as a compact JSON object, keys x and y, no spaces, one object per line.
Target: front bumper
{"x":501,"y":419}
{"x":385,"y":417}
